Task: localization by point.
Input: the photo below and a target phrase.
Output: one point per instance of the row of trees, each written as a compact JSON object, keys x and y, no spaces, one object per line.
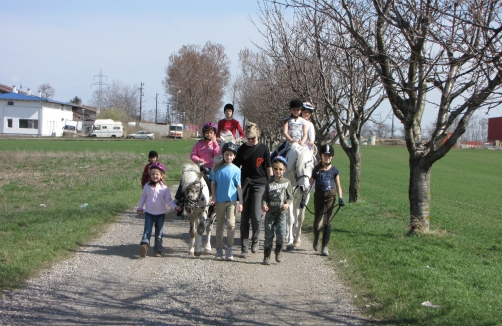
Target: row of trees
{"x":347,"y":56}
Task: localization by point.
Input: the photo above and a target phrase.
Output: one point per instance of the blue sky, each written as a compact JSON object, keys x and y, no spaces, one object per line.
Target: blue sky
{"x":66,"y":43}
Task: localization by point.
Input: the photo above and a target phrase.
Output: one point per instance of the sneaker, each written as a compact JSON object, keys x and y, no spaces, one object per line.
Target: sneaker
{"x":244,"y":254}
{"x":143,"y":248}
{"x":219,"y":254}
{"x":254,"y":247}
{"x":158,"y":254}
{"x":230,"y":255}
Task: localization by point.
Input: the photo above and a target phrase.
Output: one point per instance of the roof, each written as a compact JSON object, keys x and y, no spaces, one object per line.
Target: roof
{"x":23,"y":97}
{"x":8,"y":89}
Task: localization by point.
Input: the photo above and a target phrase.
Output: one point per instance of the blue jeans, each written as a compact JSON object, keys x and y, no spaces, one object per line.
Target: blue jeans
{"x":150,"y":221}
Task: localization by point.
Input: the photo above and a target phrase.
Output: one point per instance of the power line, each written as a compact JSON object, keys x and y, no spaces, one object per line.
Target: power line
{"x":100,"y":87}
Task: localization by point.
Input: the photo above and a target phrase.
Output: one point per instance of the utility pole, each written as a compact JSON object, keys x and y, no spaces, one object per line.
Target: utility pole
{"x":140,"y":100}
{"x":100,"y":88}
{"x":156,"y":102}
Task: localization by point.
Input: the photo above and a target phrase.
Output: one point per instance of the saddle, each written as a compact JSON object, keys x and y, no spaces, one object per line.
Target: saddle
{"x":282,"y":150}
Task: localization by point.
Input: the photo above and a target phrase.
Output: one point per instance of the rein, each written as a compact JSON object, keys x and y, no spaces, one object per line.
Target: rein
{"x":195,"y":203}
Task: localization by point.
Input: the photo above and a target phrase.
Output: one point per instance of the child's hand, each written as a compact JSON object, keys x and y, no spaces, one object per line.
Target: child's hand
{"x":265,"y":208}
{"x":178,"y":208}
{"x":285,"y":207}
{"x":212,"y":203}
{"x":139,"y":211}
{"x":239,"y":208}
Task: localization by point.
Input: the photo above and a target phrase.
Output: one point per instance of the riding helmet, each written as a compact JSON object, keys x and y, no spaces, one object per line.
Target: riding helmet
{"x":230,"y":147}
{"x":327,"y":149}
{"x":153,"y":154}
{"x":158,"y":166}
{"x":280,"y":159}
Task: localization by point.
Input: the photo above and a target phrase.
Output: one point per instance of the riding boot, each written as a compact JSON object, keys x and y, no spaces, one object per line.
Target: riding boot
{"x":266,"y":256}
{"x":325,"y":240}
{"x":278,"y":254}
{"x":316,"y":239}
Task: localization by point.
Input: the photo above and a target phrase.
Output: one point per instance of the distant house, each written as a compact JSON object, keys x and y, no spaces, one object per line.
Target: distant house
{"x":23,"y":114}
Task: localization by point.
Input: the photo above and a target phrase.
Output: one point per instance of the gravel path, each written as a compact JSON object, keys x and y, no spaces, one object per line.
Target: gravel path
{"x":106,"y":283}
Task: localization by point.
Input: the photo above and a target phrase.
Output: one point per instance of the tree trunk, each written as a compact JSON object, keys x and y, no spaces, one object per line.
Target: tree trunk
{"x":419,"y":196}
{"x":355,"y":174}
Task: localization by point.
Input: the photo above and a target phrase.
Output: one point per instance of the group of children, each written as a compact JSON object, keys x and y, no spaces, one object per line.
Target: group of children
{"x":226,"y":189}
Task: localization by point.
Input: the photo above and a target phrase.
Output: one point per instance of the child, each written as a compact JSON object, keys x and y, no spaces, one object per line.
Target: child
{"x":276,"y":199}
{"x":307,"y":111}
{"x":327,"y":181}
{"x":295,"y":128}
{"x":229,"y":123}
{"x":155,"y":196}
{"x":226,"y":184}
{"x":203,"y":153}
{"x":153,"y":157}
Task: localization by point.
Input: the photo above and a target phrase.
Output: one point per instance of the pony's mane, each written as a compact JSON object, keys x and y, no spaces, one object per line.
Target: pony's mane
{"x":191,"y":173}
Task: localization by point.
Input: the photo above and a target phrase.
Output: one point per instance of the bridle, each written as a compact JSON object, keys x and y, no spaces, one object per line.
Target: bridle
{"x":191,"y":204}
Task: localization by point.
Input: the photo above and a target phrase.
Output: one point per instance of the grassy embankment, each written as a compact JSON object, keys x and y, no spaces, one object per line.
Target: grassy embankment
{"x":44,"y":182}
{"x":457,"y":266}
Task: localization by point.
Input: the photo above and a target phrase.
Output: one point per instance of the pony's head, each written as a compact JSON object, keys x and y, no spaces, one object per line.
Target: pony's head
{"x":301,"y":161}
{"x":196,"y":193}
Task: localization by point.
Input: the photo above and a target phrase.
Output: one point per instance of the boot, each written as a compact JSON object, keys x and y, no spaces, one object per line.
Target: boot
{"x":143,"y":248}
{"x":325,"y":240}
{"x":316,"y":239}
{"x":278,"y":253}
{"x":266,"y":256}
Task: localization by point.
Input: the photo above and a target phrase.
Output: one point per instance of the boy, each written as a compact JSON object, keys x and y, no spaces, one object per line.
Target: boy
{"x":225,"y":185}
{"x":229,"y":123}
{"x":276,"y":199}
{"x":153,"y":157}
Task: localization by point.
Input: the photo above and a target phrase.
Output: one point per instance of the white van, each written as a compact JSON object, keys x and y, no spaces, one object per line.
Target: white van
{"x":176,"y":130}
{"x":107,"y":128}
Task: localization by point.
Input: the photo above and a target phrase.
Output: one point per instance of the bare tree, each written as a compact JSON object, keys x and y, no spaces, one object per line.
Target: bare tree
{"x":421,"y":50}
{"x":119,"y":96}
{"x":47,"y":91}
{"x":323,"y":68}
{"x":202,"y":75}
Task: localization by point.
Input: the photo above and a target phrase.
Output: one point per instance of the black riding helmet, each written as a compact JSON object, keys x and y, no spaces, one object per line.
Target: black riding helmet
{"x":327,"y":149}
{"x":153,"y":154}
{"x":229,"y":147}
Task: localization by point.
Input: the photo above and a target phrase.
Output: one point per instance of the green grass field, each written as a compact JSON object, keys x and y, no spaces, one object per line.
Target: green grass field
{"x":457,"y":266}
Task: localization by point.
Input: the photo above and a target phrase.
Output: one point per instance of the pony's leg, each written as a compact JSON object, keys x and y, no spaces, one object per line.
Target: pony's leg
{"x":299,"y":223}
{"x":209,"y":228}
{"x":289,"y":226}
{"x":193,"y":232}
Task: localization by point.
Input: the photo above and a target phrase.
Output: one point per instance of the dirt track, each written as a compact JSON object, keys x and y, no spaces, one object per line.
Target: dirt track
{"x":106,"y":283}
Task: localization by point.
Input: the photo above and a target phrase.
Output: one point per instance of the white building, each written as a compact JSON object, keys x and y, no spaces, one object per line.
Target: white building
{"x":22,"y":114}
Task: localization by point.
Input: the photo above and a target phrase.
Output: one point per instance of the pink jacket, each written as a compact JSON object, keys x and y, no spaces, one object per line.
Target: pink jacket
{"x":205,"y":150}
{"x":156,"y":199}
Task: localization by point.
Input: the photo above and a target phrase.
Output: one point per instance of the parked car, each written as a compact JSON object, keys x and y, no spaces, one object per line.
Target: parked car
{"x":142,"y":135}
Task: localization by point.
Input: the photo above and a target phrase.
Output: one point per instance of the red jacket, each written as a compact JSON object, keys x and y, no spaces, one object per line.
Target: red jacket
{"x":145,"y":178}
{"x":231,"y":125}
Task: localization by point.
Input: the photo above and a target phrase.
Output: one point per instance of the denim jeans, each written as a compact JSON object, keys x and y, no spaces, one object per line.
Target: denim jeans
{"x":150,"y":221}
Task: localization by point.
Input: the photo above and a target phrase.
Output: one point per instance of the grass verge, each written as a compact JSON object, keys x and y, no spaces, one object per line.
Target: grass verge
{"x":457,"y":266}
{"x":41,"y":192}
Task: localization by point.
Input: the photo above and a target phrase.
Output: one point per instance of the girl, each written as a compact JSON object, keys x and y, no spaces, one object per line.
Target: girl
{"x":203,"y":154}
{"x":229,"y":123}
{"x":327,"y":180}
{"x":153,"y":157}
{"x":155,"y":197}
{"x":307,"y":111}
{"x":295,"y":128}
{"x":226,"y":185}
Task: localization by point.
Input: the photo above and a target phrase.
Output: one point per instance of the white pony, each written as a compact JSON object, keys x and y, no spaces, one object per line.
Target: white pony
{"x":299,"y":170}
{"x":196,"y":202}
